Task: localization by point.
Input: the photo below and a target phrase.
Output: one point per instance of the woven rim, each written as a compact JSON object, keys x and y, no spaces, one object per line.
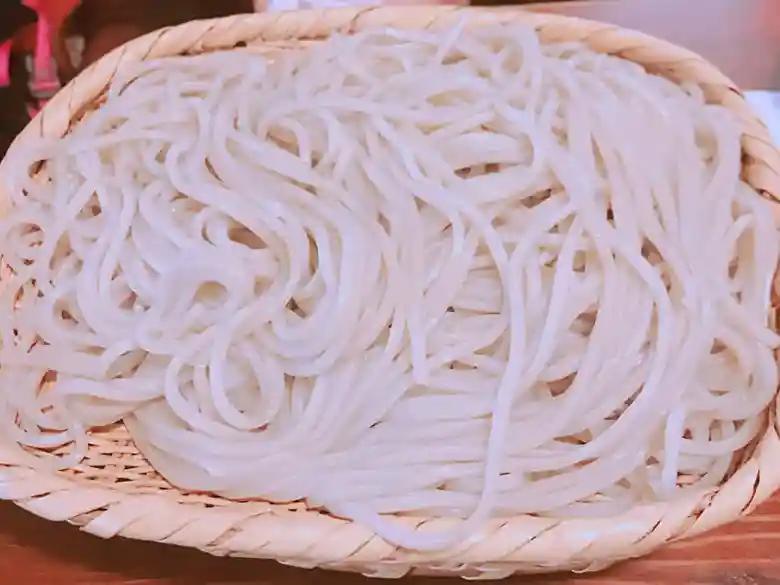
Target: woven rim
{"x":115,"y":492}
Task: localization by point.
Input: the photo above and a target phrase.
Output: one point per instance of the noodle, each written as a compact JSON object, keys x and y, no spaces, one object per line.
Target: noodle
{"x":449,"y":273}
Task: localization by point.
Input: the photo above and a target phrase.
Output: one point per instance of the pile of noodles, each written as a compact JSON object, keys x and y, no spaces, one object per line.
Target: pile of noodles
{"x":449,"y":273}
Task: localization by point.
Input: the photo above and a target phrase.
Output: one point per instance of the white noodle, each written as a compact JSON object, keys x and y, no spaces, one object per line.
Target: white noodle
{"x":448,"y":273}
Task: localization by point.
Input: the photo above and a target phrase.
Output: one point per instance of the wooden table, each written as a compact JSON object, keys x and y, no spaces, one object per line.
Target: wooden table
{"x":742,"y":37}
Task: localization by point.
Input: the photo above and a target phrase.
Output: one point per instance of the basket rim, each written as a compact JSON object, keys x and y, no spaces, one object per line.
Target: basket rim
{"x":310,"y":538}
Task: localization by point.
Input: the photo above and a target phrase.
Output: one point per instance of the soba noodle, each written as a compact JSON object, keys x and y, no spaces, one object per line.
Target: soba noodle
{"x":447,"y":273}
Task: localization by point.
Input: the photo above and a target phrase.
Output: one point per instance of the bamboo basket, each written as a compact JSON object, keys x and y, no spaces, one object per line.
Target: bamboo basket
{"x":115,"y":492}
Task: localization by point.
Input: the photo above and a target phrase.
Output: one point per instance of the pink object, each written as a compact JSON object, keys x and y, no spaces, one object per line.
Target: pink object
{"x":43,"y":82}
{"x":5,"y":63}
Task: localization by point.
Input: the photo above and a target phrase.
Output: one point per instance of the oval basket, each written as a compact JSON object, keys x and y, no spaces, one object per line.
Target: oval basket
{"x":115,"y":492}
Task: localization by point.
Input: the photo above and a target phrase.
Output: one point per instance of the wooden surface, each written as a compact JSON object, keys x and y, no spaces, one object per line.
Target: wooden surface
{"x":743,"y":38}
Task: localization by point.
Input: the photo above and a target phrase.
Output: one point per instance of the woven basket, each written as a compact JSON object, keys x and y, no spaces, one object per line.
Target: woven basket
{"x":115,"y":492}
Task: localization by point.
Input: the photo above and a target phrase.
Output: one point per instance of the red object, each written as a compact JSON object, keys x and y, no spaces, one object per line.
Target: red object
{"x":43,"y":79}
{"x":5,"y":63}
{"x":55,"y":12}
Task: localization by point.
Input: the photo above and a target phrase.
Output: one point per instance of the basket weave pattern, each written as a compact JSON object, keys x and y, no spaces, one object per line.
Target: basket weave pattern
{"x":115,"y":492}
